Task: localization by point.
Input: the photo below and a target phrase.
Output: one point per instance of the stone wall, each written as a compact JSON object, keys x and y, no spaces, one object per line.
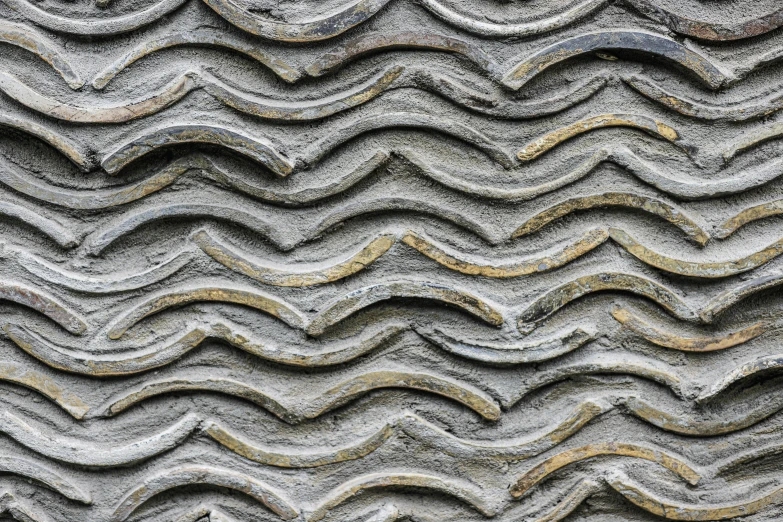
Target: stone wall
{"x":377,"y":260}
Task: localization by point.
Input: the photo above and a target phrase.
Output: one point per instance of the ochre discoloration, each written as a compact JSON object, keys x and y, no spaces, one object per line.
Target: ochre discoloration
{"x":552,"y":464}
{"x":549,"y":141}
{"x":688,"y":344}
{"x":666,"y":211}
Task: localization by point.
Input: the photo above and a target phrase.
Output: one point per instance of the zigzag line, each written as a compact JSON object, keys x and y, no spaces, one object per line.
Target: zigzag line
{"x":335,"y":397}
{"x":333,"y":313}
{"x":284,"y":240}
{"x":163,"y":481}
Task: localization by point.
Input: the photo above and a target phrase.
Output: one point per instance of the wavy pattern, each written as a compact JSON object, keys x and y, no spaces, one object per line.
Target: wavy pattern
{"x":156,"y":484}
{"x":375,"y":175}
{"x":130,"y":362}
{"x":360,"y":11}
{"x":676,"y":511}
{"x":335,"y":397}
{"x":468,"y":494}
{"x":552,"y":464}
{"x":558,"y":297}
{"x":700,"y":66}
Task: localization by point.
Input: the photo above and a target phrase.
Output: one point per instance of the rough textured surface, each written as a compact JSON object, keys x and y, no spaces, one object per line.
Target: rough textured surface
{"x":383,"y":260}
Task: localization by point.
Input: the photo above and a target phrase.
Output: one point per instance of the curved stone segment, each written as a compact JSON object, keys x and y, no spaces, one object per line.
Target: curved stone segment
{"x":450,"y":214}
{"x":602,"y":365}
{"x":39,"y":473}
{"x":12,"y":373}
{"x":583,"y":490}
{"x":666,"y":211}
{"x":43,"y":304}
{"x":375,"y":42}
{"x":101,"y":239}
{"x":468,"y":494}
{"x":538,"y":263}
{"x":351,"y":303}
{"x":725,"y":300}
{"x":749,"y":215}
{"x":53,"y":274}
{"x":515,"y":30}
{"x":753,"y":139}
{"x":286,"y":274}
{"x":708,"y":424}
{"x":320,"y":28}
{"x":646,"y":124}
{"x":200,"y":38}
{"x":20,"y":36}
{"x":750,"y":109}
{"x":524,"y":483}
{"x":677,"y":511}
{"x":87,"y":452}
{"x":49,"y":227}
{"x":750,"y":369}
{"x":161,"y":482}
{"x":173,"y":92}
{"x":404,"y":120}
{"x":662,"y":47}
{"x":64,"y":146}
{"x":258,"y":149}
{"x":94,"y":27}
{"x":132,"y":362}
{"x":510,"y":353}
{"x":688,"y":344}
{"x":558,"y":297}
{"x":707,"y":270}
{"x":335,"y":397}
{"x":263,"y":302}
